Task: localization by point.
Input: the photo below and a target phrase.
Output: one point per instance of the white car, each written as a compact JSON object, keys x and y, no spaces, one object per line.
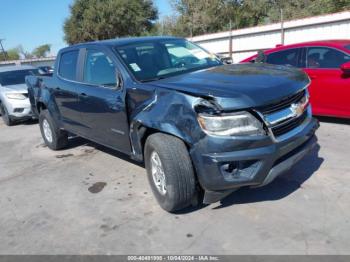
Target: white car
{"x":14,"y":101}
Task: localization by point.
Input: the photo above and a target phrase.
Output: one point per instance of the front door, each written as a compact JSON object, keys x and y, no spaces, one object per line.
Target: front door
{"x":102,"y":102}
{"x":330,"y":87}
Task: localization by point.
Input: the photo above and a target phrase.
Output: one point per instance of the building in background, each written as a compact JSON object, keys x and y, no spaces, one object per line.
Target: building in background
{"x":46,"y":61}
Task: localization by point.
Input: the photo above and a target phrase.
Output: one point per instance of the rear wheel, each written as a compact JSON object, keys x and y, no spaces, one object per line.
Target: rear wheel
{"x":5,"y":115}
{"x":170,"y":171}
{"x":54,"y":137}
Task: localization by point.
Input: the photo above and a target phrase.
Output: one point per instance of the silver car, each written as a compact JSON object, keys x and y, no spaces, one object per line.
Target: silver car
{"x":14,"y":101}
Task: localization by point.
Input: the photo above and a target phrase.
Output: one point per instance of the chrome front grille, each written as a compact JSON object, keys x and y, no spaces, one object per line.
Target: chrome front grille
{"x":286,"y":115}
{"x":285,"y":103}
{"x":290,"y":125}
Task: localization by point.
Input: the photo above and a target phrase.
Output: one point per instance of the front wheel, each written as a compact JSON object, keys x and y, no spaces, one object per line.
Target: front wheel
{"x":54,"y":138}
{"x":5,"y":115}
{"x":170,"y":171}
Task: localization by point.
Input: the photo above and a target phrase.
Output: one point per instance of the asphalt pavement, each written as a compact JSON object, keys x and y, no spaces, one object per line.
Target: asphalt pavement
{"x":91,"y":200}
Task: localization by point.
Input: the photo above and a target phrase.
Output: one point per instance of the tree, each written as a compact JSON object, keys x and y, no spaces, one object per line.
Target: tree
{"x":170,"y":25}
{"x":105,"y":19}
{"x":41,"y":51}
{"x":12,"y":54}
{"x":24,"y":54}
{"x":197,"y":17}
{"x":294,"y":9}
{"x":202,"y":16}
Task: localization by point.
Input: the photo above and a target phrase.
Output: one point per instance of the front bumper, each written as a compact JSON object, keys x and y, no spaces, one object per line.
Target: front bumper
{"x":254,"y":161}
{"x":19,"y":109}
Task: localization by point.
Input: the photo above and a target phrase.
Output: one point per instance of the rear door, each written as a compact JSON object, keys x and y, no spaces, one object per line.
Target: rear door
{"x":65,"y":88}
{"x":330,"y":88}
{"x":102,"y":100}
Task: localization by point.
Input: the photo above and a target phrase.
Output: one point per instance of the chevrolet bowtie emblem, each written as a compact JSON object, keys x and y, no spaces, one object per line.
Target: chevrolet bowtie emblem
{"x":297,"y":109}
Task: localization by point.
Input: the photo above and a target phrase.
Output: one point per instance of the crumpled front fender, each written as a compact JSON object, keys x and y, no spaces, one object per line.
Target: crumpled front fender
{"x":166,"y":111}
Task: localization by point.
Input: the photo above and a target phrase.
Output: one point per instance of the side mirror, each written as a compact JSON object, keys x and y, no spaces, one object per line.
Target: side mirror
{"x":118,"y":80}
{"x":261,"y":57}
{"x":345,"y":68}
{"x":226,"y":60}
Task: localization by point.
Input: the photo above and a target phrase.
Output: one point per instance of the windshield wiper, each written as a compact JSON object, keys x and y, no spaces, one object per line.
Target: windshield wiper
{"x":152,"y":79}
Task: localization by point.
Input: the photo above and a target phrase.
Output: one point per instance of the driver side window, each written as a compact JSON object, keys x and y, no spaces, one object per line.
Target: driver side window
{"x":99,"y":69}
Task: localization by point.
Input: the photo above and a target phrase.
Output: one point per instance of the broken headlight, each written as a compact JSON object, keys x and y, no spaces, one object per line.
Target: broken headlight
{"x":235,"y":124}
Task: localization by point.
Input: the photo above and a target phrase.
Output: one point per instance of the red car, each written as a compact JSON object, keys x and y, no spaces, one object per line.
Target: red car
{"x":328,"y":65}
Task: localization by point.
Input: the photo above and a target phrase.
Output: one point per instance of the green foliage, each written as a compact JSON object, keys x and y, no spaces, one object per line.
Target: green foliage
{"x":41,"y":51}
{"x":13,"y":54}
{"x":197,"y":17}
{"x":24,"y":54}
{"x":293,"y":9}
{"x":105,"y":19}
{"x":19,"y":52}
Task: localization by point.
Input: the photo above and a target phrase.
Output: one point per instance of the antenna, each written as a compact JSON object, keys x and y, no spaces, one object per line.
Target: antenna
{"x":3,"y":50}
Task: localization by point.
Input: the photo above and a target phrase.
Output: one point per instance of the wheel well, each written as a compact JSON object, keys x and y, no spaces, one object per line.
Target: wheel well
{"x":147,"y":131}
{"x":40,"y":106}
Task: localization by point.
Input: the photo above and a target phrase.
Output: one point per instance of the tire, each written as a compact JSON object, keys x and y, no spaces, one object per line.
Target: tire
{"x":58,"y":138}
{"x":5,"y":115}
{"x":175,"y":162}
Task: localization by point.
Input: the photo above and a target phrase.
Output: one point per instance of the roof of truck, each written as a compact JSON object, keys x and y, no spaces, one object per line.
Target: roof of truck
{"x":124,"y":41}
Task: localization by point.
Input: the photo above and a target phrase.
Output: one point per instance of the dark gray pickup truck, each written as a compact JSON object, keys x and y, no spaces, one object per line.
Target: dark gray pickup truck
{"x":203,"y":129}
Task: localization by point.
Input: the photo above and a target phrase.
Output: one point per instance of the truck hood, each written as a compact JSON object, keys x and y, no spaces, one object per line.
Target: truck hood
{"x":240,"y":86}
{"x":20,"y":88}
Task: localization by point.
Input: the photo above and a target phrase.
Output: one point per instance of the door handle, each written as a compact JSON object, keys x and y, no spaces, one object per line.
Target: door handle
{"x":58,"y":89}
{"x":83,"y":94}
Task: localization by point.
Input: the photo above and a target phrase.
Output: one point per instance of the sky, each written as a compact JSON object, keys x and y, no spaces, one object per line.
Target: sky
{"x":31,"y":23}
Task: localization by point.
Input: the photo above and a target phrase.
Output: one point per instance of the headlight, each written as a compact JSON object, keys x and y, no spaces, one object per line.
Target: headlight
{"x":17,"y":96}
{"x":236,"y":124}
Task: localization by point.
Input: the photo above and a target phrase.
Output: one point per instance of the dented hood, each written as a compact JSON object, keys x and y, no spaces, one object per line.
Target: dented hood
{"x":240,"y":86}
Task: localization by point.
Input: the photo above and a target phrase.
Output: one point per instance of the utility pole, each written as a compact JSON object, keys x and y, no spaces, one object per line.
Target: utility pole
{"x":3,"y":50}
{"x":282,"y":27}
{"x":230,"y":40}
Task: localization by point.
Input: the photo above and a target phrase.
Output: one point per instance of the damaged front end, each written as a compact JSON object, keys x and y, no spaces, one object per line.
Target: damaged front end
{"x":241,"y":148}
{"x":230,"y":148}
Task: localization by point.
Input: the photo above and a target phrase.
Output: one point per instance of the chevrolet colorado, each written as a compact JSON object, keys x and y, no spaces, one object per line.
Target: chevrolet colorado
{"x":203,"y":129}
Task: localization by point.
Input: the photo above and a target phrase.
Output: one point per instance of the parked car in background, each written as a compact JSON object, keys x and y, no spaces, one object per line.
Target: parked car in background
{"x":197,"y":124}
{"x":14,"y":102}
{"x":328,"y":65}
{"x":44,"y":70}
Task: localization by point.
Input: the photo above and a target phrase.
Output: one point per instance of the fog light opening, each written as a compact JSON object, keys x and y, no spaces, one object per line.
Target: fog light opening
{"x":230,"y":168}
{"x":18,"y":110}
{"x":240,"y":170}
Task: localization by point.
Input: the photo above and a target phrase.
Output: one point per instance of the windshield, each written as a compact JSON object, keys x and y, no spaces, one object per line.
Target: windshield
{"x":161,"y":59}
{"x":15,"y":77}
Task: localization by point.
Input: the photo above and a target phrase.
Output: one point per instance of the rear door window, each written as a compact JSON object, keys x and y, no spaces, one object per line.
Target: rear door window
{"x":68,"y":65}
{"x":286,"y":57}
{"x":324,"y":57}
